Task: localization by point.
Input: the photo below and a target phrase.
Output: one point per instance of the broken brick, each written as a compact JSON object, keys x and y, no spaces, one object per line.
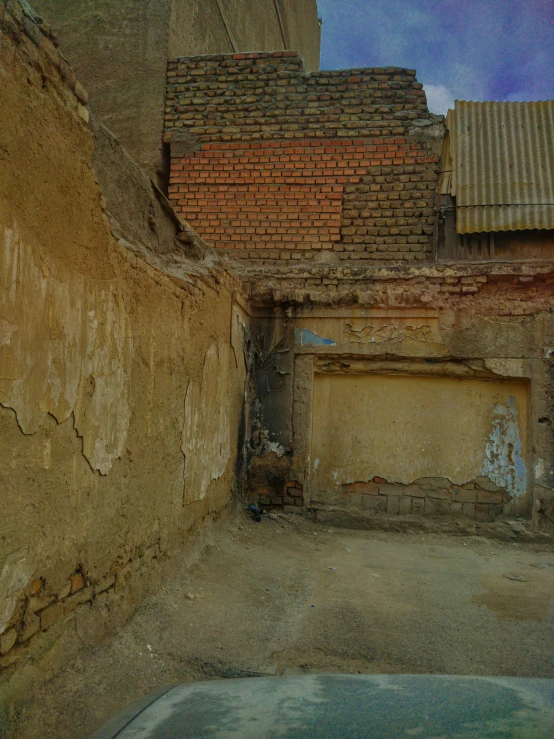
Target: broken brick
{"x":418,"y":506}
{"x":30,"y":629}
{"x":77,"y":582}
{"x":404,"y":506}
{"x":393,"y":504}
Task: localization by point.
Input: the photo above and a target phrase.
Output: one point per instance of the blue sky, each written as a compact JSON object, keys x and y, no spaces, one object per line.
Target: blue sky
{"x":461,"y":49}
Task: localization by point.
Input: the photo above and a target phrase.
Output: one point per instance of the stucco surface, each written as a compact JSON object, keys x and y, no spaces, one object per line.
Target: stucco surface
{"x":197,"y":28}
{"x":403,"y":428}
{"x":396,"y":331}
{"x":206,"y":434}
{"x":303,"y":28}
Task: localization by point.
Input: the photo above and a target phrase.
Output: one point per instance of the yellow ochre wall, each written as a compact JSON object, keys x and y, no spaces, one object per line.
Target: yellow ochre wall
{"x":403,"y":428}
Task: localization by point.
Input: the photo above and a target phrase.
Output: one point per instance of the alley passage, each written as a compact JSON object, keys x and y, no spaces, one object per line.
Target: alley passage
{"x":286,"y":596}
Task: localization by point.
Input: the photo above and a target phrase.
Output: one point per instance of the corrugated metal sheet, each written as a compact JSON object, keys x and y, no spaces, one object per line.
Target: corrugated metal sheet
{"x":503,"y":160}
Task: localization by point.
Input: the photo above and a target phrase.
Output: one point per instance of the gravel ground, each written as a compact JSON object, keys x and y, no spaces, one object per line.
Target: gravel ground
{"x":286,"y":596}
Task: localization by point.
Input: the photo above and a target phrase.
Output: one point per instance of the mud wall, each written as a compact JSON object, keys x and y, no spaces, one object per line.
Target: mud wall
{"x":122,"y":371}
{"x":119,"y":50}
{"x":421,"y":391}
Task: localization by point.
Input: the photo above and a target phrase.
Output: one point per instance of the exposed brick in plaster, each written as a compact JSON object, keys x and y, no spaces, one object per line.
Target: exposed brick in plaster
{"x":270,"y":163}
{"x":40,"y":606}
{"x":480,"y":499}
{"x":505,"y":289}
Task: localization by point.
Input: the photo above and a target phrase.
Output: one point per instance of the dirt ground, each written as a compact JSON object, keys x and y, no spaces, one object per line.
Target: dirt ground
{"x":286,"y":596}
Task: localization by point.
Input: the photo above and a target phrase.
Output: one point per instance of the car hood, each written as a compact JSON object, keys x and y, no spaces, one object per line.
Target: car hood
{"x":344,"y":707}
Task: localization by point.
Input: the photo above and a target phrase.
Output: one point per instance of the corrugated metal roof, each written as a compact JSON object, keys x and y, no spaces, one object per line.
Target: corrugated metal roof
{"x":503,"y":161}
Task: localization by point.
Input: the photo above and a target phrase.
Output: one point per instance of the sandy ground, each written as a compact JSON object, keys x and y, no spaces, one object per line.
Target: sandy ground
{"x":287,"y":596}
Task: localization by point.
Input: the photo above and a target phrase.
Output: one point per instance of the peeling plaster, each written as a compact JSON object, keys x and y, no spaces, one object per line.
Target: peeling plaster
{"x":14,"y":577}
{"x":239,"y":336}
{"x":66,"y":349}
{"x":262,"y":446}
{"x":544,"y":472}
{"x":6,"y":331}
{"x":404,"y":428}
{"x":206,"y":441}
{"x":274,"y":446}
{"x":503,"y":463}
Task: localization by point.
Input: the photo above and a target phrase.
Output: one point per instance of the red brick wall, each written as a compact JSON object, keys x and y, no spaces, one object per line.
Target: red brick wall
{"x":251,"y":182}
{"x":258,"y":195}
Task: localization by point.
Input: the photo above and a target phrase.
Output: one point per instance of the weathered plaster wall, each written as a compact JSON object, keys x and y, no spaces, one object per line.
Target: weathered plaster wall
{"x":441,"y":350}
{"x":406,"y":427}
{"x":122,"y":372}
{"x":119,"y":50}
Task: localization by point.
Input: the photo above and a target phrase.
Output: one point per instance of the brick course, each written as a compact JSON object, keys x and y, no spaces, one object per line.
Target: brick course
{"x":40,"y":608}
{"x":508,"y":296}
{"x":270,"y":162}
{"x":427,"y":496}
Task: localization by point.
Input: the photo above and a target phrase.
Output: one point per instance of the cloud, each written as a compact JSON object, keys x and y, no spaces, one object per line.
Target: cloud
{"x":491,"y":50}
{"x":439,"y":98}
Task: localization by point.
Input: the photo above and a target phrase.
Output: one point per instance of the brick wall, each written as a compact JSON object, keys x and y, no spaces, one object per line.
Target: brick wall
{"x":270,"y":163}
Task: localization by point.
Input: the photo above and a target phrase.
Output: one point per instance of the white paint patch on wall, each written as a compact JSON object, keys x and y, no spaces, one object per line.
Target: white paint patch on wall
{"x":65,"y":348}
{"x":503,"y":462}
{"x":539,"y":469}
{"x":14,"y":576}
{"x":274,"y":446}
{"x":206,"y":443}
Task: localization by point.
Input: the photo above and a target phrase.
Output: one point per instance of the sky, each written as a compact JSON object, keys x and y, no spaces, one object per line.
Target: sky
{"x":462,"y":49}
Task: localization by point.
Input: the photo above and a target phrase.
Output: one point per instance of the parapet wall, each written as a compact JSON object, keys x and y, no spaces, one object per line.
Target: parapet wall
{"x":268,"y":162}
